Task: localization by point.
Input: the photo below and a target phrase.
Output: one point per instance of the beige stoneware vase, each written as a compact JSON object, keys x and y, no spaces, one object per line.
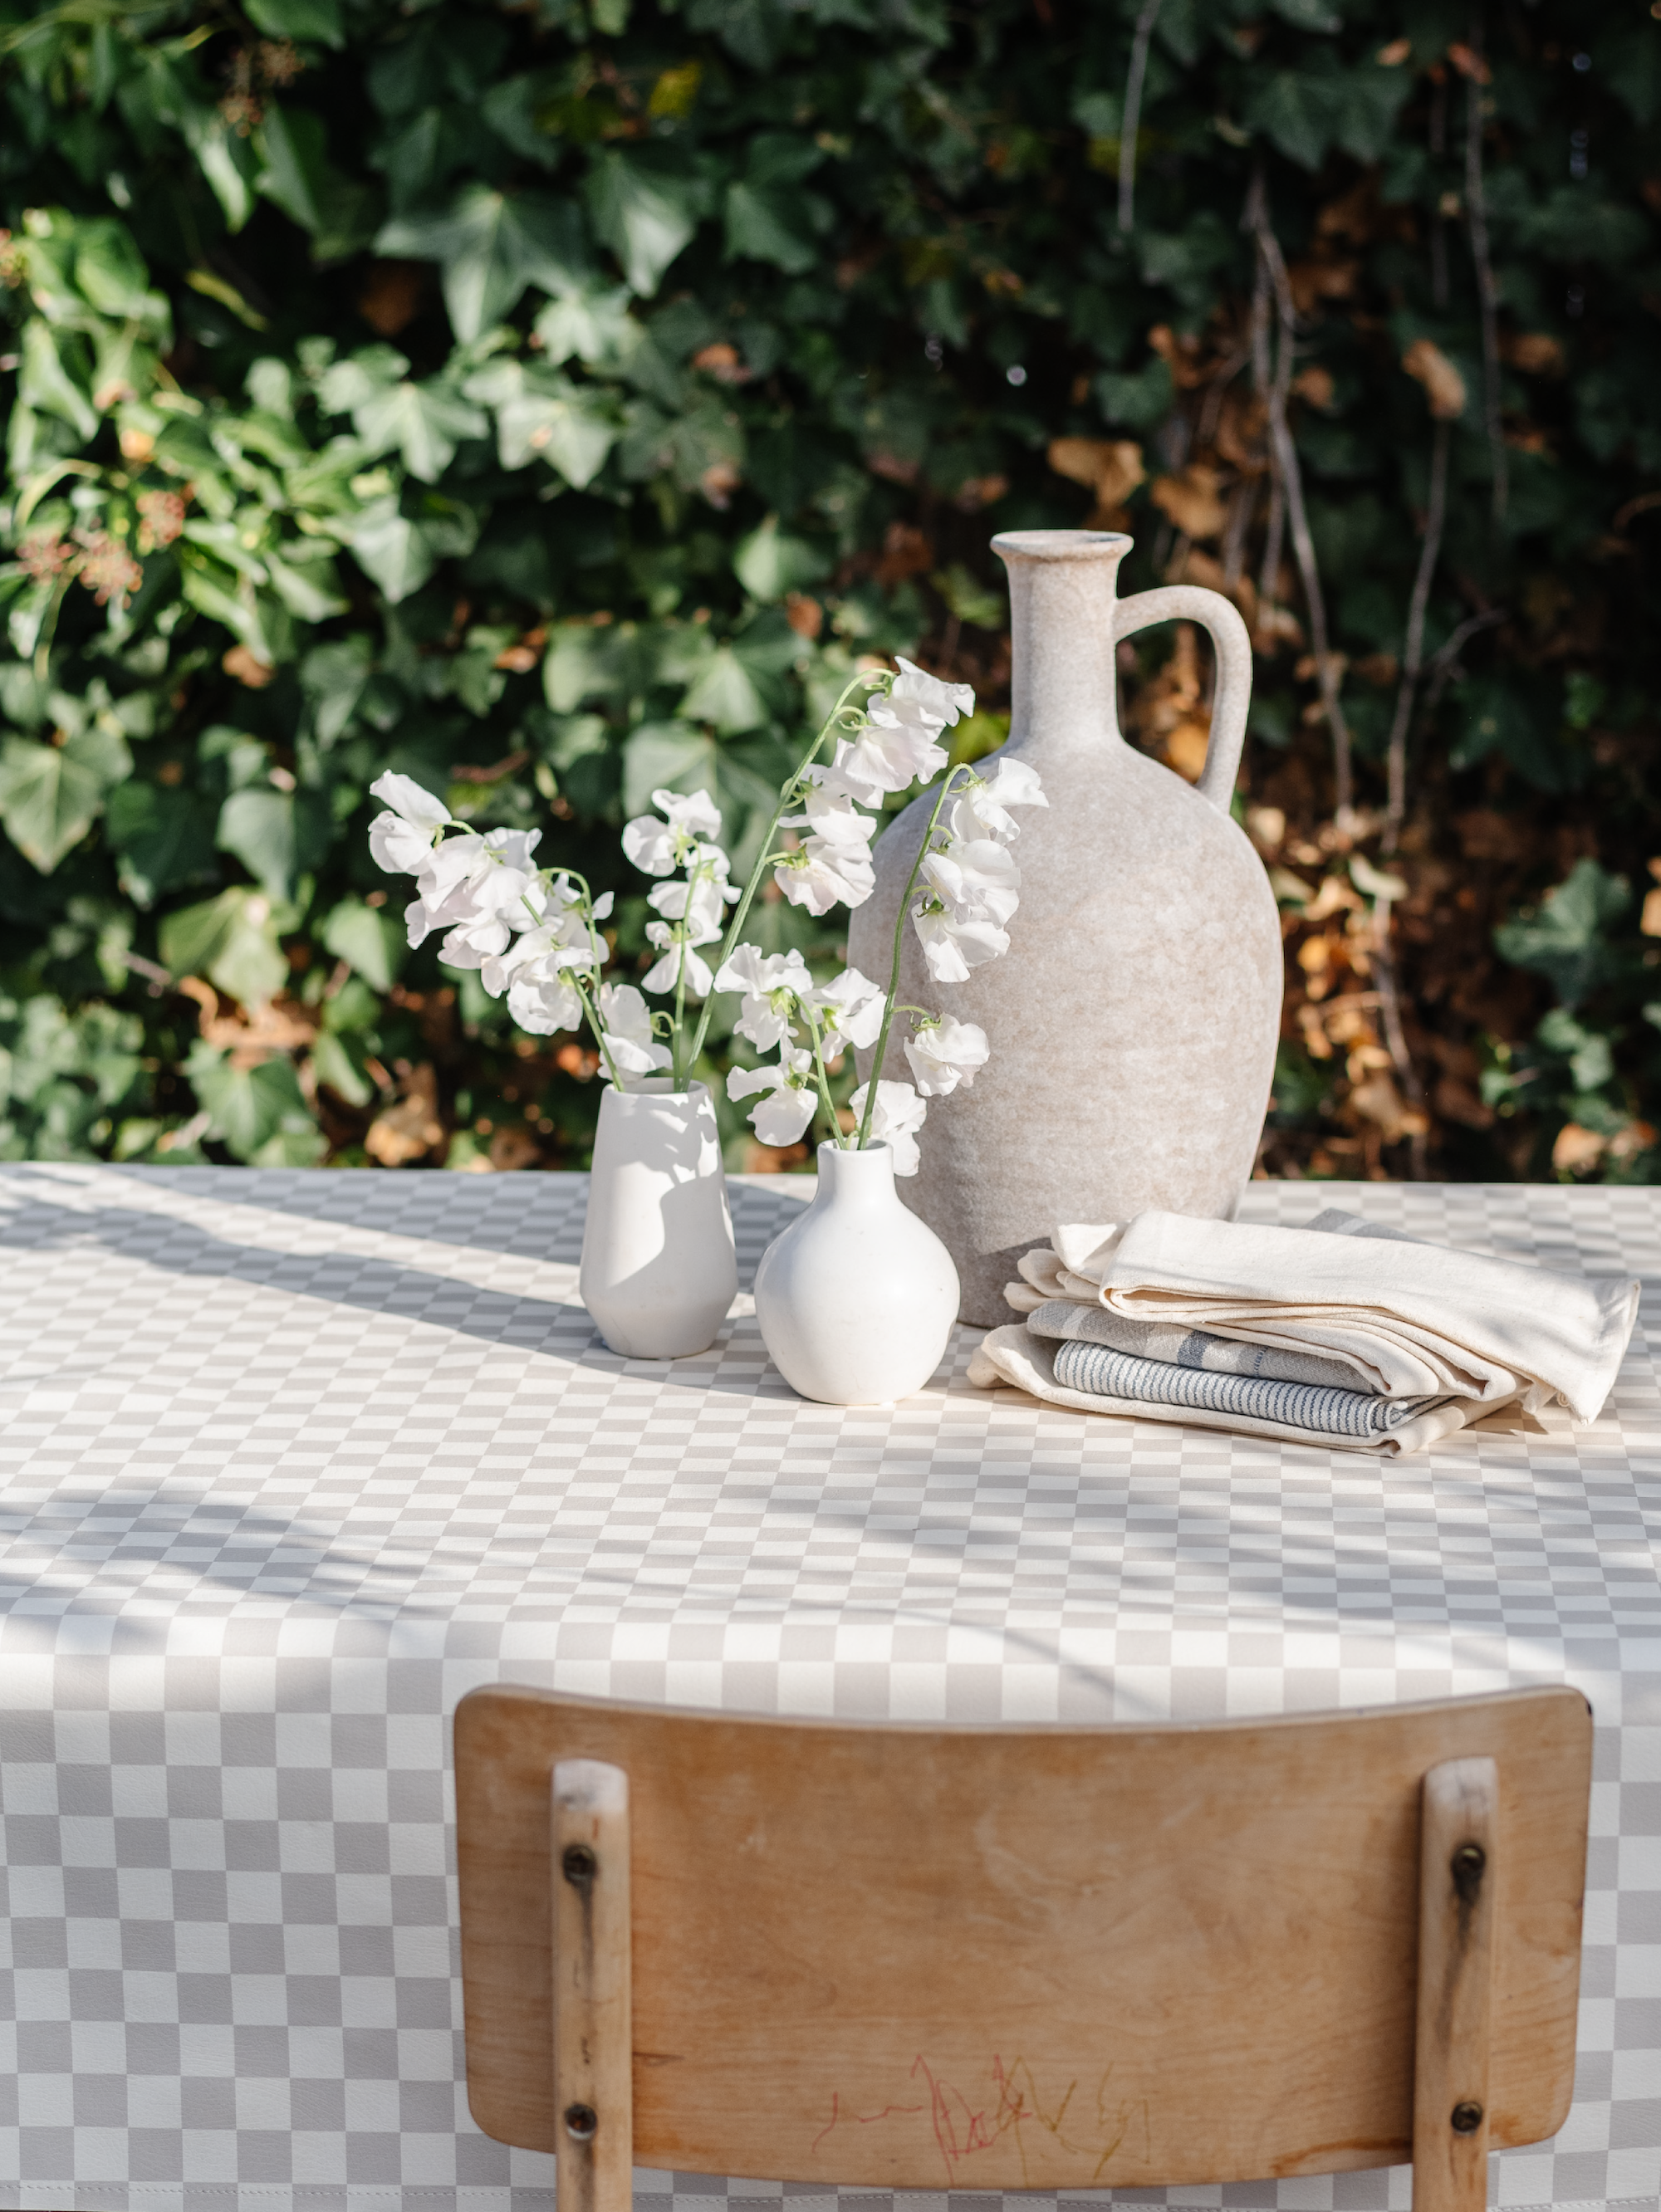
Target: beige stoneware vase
{"x":1133,"y":1021}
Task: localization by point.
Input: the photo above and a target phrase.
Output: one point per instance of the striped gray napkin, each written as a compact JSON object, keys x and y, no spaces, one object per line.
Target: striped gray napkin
{"x":1186,"y":1347}
{"x":1321,"y":1409}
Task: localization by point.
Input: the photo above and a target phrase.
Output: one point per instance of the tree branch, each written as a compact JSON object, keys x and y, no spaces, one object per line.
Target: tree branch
{"x":1413,"y":651}
{"x":1133,"y":114}
{"x":1290,"y":481}
{"x":1487,"y":292}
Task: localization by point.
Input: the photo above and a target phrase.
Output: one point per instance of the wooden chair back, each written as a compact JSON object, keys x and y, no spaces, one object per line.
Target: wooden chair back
{"x":1021,"y":1958}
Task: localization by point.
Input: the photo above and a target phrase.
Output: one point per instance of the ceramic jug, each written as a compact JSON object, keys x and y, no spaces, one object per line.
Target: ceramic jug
{"x":1133,"y":1021}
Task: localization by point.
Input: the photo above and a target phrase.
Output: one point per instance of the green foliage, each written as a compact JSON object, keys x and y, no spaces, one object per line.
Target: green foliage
{"x":553,"y":403}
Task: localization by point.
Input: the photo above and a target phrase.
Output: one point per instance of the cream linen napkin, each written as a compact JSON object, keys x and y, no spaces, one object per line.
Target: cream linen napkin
{"x":1409,"y":1320}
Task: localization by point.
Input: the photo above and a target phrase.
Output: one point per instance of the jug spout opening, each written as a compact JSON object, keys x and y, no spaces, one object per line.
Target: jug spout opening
{"x":1060,"y":544}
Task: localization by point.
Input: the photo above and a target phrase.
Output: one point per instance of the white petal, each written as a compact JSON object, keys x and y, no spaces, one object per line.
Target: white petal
{"x":412,"y":800}
{"x":649,"y":844}
{"x":781,"y":1117}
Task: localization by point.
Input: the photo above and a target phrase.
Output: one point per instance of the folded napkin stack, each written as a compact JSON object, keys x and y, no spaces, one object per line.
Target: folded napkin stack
{"x":1295,"y":1334}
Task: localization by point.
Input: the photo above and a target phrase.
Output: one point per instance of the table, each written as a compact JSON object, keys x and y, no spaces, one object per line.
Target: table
{"x":293,"y":1460}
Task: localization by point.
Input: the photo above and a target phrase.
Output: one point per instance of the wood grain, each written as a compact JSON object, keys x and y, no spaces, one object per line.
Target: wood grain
{"x":1462,"y":1864}
{"x":591,"y":1979}
{"x":998,"y":1958}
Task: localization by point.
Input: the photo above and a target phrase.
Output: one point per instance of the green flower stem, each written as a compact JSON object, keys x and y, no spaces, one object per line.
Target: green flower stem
{"x":787,"y":797}
{"x":590,"y":1007}
{"x":838,"y":1137}
{"x":900,"y":918}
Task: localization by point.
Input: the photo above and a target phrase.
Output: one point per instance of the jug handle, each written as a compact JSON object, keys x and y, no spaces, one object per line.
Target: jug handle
{"x":1220,"y":619}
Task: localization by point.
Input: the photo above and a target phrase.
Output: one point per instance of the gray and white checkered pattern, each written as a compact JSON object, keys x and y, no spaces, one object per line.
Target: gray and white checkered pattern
{"x":291,"y":1461}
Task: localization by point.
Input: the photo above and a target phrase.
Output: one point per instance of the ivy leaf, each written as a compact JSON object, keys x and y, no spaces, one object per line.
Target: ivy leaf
{"x":769,"y":565}
{"x":592,"y":321}
{"x":362,"y":378}
{"x":110,"y":271}
{"x":163,"y":836}
{"x":229,"y":163}
{"x":373,"y":943}
{"x":249,"y":1106}
{"x":300,"y":178}
{"x":232,"y":940}
{"x":1573,"y":226}
{"x":1138,"y":401}
{"x":1630,"y":62}
{"x":1564,"y":940}
{"x":768,"y":217}
{"x":310,"y":592}
{"x":671,"y":755}
{"x":46,"y":382}
{"x":332,"y":677}
{"x":400,"y":550}
{"x":1372,"y":99}
{"x":645,"y":211}
{"x":580,"y":664}
{"x":1297,"y":113}
{"x":276,"y":835}
{"x":725,"y":694}
{"x":491,"y":246}
{"x":51,"y":795}
{"x":1307,"y":15}
{"x":426,"y":422}
{"x":303,"y":21}
{"x":755,"y":30}
{"x":539,"y":411}
{"x":331,"y":1063}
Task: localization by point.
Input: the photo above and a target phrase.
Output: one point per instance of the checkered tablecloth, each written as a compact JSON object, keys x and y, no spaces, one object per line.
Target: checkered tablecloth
{"x":291,"y":1461}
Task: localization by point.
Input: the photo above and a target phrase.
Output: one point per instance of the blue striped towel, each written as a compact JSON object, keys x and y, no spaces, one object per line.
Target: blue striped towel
{"x":1098,"y":1372}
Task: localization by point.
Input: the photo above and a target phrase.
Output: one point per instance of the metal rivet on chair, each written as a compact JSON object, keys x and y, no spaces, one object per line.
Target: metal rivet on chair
{"x":1469,"y":1862}
{"x":578,"y":1863}
{"x":582,"y":2122}
{"x":1467,"y":2118}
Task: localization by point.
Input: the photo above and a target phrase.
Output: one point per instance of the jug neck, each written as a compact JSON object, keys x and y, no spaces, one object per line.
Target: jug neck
{"x":856,"y":1181}
{"x":1062,"y":592}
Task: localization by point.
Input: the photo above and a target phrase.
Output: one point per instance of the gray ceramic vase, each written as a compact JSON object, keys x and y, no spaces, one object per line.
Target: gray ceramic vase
{"x":1133,"y":1021}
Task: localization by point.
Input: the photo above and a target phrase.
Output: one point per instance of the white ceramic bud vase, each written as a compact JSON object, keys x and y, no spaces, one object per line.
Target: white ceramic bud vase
{"x":856,"y":1299}
{"x":658,"y":1269}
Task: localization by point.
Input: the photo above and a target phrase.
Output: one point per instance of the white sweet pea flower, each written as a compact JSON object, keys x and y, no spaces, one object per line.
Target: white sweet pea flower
{"x":989,"y":799}
{"x":543,"y":999}
{"x":493,"y":872}
{"x":473,"y":943}
{"x":944,"y":1053}
{"x":888,"y":754}
{"x":822,"y":875}
{"x":895,"y":1120}
{"x":787,"y":1106}
{"x":678,"y":957}
{"x":401,"y":839}
{"x":626,"y":1024}
{"x":829,"y":802}
{"x":771,"y":983}
{"x":423,"y":916}
{"x":555,"y":945}
{"x":700,"y":901}
{"x":952,"y":945}
{"x":658,"y":848}
{"x":915,"y":694}
{"x":601,"y":909}
{"x":975,"y":878}
{"x":852,"y":1007}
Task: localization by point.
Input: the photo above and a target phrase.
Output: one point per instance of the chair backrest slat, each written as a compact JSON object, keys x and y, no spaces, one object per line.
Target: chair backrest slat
{"x":916,"y":1957}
